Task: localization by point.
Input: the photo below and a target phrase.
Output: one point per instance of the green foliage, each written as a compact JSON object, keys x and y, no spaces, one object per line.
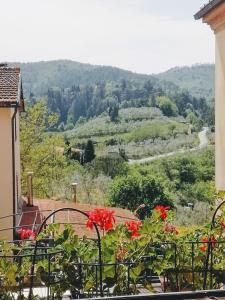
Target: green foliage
{"x":201,"y":191}
{"x":40,"y":152}
{"x":40,"y":76}
{"x":133,"y":190}
{"x":89,"y":152}
{"x":156,"y":130}
{"x":167,"y":106}
{"x":197,"y":79}
{"x":128,"y":250}
{"x":110,"y":165}
{"x":189,"y":177}
{"x":77,"y":91}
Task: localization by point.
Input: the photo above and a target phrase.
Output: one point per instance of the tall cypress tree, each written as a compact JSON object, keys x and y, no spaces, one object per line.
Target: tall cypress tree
{"x":89,"y":152}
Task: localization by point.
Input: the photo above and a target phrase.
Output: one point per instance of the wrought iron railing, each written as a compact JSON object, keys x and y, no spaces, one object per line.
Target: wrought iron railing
{"x":177,"y":275}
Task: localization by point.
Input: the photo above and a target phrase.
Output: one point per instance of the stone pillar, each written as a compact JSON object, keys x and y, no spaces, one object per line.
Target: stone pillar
{"x":74,"y":192}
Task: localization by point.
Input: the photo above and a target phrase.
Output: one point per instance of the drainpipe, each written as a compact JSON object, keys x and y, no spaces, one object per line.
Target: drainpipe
{"x":13,"y":169}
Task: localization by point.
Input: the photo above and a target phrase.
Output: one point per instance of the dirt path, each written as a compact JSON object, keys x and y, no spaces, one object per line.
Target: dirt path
{"x":203,"y":142}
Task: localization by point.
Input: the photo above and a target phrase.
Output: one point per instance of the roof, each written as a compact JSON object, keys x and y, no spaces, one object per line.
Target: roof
{"x":32,"y":216}
{"x":207,"y":8}
{"x":11,"y":93}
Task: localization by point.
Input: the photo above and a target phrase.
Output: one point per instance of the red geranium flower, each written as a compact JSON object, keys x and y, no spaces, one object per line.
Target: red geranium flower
{"x":103,"y":217}
{"x":170,"y":228}
{"x":206,"y":240}
{"x":133,"y":227}
{"x":163,"y":211}
{"x":223,"y":224}
{"x":26,"y":234}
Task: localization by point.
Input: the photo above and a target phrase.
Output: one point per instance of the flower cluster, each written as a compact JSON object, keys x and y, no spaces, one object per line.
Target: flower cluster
{"x":162,"y":210}
{"x":102,"y":217}
{"x":170,"y":228}
{"x":133,"y":227}
{"x":205,"y":240}
{"x":26,"y":234}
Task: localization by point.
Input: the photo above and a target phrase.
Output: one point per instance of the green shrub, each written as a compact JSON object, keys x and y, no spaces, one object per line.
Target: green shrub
{"x":110,"y":165}
{"x":133,"y":190}
{"x":168,"y":108}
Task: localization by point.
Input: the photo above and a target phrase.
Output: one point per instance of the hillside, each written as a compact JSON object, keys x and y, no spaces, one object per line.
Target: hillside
{"x":38,"y":77}
{"x":78,"y":92}
{"x":140,"y":132}
{"x":197,"y":79}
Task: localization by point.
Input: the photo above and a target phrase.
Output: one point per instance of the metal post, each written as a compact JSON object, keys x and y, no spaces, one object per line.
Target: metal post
{"x":74,"y":192}
{"x":30,"y":188}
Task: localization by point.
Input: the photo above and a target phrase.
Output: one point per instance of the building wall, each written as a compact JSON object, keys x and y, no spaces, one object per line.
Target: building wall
{"x":6,"y":184}
{"x":220,"y":110}
{"x":17,"y":162}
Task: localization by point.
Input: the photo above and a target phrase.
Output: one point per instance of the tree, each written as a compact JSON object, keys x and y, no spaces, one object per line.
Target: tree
{"x":113,"y":113}
{"x":167,"y":106}
{"x":40,"y":151}
{"x":89,"y":152}
{"x":173,"y":129}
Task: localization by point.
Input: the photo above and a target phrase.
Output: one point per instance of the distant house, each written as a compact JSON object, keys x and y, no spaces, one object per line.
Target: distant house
{"x":213,"y":13}
{"x":11,"y":104}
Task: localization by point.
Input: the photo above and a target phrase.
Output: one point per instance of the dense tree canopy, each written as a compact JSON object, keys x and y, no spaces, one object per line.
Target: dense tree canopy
{"x":40,"y":152}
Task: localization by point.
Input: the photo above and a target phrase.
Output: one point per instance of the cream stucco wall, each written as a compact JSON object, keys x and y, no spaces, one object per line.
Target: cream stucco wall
{"x":17,"y":164}
{"x":220,"y":110}
{"x":6,"y":170}
{"x":6,"y":190}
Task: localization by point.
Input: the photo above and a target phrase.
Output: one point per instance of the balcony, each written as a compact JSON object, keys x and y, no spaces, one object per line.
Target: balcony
{"x":128,"y":258}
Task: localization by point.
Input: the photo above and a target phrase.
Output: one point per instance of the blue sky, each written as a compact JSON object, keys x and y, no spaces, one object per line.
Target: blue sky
{"x":145,"y":36}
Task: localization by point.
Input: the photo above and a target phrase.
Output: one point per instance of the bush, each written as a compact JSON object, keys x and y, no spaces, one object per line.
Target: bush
{"x":168,"y":108}
{"x":133,"y":190}
{"x":202,"y":191}
{"x":110,"y":165}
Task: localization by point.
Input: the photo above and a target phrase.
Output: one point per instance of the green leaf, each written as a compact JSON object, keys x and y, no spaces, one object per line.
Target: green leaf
{"x":135,"y":272}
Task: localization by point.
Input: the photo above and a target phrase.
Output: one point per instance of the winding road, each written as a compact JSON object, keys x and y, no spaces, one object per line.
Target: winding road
{"x":203,"y":142}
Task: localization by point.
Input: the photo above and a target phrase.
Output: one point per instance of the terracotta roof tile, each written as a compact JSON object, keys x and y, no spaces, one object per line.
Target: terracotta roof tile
{"x":9,"y":85}
{"x":44,"y":207}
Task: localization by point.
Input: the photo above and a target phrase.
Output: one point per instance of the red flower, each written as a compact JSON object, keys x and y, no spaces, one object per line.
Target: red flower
{"x":203,"y":248}
{"x":163,"y":211}
{"x":26,"y":234}
{"x":133,"y":227}
{"x":102,"y":217}
{"x":223,"y":224}
{"x":170,"y":228}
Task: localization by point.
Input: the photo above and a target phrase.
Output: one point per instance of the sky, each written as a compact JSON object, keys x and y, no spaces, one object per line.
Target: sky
{"x":144,"y":36}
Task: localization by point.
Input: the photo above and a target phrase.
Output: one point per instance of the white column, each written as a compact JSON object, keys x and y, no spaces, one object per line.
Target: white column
{"x":220,"y":110}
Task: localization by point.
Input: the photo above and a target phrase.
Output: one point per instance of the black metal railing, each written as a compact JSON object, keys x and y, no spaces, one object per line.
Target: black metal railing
{"x":179,"y":272}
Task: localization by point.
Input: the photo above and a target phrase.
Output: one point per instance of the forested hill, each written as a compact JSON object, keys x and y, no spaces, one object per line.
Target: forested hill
{"x":78,"y":92}
{"x":38,"y":77}
{"x":198,"y":79}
